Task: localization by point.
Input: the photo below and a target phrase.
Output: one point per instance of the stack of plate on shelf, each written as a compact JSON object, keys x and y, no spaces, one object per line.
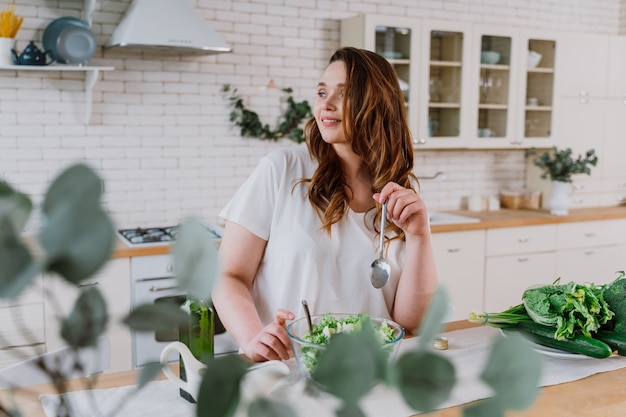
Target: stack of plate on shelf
{"x":69,"y":40}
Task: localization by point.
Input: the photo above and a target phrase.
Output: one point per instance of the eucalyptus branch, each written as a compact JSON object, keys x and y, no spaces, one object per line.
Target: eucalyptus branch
{"x":250,"y":124}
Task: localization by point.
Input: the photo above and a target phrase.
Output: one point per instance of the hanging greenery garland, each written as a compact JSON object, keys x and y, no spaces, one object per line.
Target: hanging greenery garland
{"x":251,"y":126}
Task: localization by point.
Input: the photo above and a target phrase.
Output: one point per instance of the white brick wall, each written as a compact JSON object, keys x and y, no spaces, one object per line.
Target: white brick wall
{"x":159,"y":132}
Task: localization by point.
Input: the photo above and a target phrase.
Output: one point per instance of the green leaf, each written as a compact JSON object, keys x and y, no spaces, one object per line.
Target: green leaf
{"x":14,"y":205}
{"x":513,"y":371}
{"x":491,"y":407}
{"x":350,"y":365}
{"x":156,"y":317}
{"x":263,"y":407}
{"x":148,"y":373}
{"x":17,"y":267}
{"x":87,"y":320}
{"x":424,"y":379}
{"x":77,"y":183}
{"x":350,"y":411}
{"x":78,"y":236}
{"x":195,"y":259}
{"x":432,"y":324}
{"x":219,"y":391}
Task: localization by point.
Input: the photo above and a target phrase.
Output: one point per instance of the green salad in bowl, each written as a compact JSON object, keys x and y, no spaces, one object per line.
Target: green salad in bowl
{"x":308,"y":346}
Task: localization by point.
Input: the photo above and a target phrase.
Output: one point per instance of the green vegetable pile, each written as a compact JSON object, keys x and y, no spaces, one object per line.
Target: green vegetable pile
{"x":330,"y":326}
{"x":572,"y":317}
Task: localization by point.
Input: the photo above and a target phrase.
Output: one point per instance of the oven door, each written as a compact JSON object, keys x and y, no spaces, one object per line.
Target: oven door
{"x":147,"y":346}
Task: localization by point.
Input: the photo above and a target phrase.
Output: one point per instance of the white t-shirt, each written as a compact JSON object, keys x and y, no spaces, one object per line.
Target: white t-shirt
{"x":301,"y":261}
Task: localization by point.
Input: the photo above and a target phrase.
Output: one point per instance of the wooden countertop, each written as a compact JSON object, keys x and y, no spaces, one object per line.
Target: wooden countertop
{"x":488,"y":220}
{"x":515,"y":218}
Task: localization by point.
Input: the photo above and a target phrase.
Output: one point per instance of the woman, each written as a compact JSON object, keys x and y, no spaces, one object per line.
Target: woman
{"x":304,"y":225}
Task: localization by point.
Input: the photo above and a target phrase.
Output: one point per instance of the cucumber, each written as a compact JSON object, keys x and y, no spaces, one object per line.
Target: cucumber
{"x":583,"y":345}
{"x":617,"y":341}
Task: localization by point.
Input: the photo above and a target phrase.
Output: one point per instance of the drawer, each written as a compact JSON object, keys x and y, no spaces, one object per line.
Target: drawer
{"x":22,"y":325}
{"x":15,"y":355}
{"x":588,"y":234}
{"x":152,"y":266}
{"x":32,"y":294}
{"x":508,"y":241}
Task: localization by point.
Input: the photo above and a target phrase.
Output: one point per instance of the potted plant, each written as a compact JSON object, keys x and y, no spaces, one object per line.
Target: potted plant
{"x":559,"y":165}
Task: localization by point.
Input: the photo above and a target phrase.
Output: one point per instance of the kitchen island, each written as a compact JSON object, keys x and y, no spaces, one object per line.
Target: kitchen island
{"x":601,"y":394}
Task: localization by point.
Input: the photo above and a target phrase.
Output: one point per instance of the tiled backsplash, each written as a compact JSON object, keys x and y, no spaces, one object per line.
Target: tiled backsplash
{"x":159,"y":132}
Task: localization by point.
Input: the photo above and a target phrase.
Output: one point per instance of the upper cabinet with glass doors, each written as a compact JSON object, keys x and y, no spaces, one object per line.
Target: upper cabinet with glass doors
{"x":443,"y":78}
{"x":496,"y":68}
{"x":537,"y":88}
{"x":466,"y":85}
{"x":396,"y":39}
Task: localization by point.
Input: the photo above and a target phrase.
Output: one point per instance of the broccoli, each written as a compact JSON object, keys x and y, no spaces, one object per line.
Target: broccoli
{"x":615,"y":296}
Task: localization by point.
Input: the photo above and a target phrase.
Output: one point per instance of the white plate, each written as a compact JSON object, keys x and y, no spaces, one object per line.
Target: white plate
{"x":559,"y":354}
{"x":554,"y":353}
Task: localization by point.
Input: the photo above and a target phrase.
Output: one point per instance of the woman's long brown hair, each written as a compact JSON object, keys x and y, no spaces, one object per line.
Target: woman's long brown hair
{"x":375,"y":123}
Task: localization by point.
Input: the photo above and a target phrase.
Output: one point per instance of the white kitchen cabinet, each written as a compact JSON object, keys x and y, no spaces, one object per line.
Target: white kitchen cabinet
{"x":114,"y":284}
{"x":454,"y":100}
{"x":536,"y":85}
{"x":591,"y":251}
{"x":460,"y":258}
{"x":517,"y":258}
{"x":22,"y":325}
{"x":582,"y":61}
{"x":494,"y":86}
{"x":444,"y":80}
{"x":395,"y":38}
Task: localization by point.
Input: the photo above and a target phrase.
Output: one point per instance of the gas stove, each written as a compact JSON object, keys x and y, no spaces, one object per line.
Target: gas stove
{"x":159,"y":236}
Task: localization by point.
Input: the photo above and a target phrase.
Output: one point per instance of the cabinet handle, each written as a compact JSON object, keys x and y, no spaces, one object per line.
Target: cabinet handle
{"x":590,"y":234}
{"x":157,"y":289}
{"x":578,"y":187}
{"x":88,"y":284}
{"x":523,"y":259}
{"x":454,"y":250}
{"x":522,"y":240}
{"x":169,"y":268}
{"x":583,"y":101}
{"x":588,"y":252}
{"x":583,"y":93}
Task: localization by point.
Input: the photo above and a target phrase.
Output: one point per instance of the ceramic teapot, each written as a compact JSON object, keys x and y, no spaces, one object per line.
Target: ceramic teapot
{"x":31,"y":55}
{"x":258,"y":383}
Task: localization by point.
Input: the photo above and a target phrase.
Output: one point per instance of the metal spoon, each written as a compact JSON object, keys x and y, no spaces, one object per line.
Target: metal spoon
{"x":381,"y":270}
{"x":307,"y":313}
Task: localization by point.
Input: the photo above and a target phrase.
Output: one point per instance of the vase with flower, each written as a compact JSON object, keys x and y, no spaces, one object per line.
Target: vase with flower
{"x":559,"y":165}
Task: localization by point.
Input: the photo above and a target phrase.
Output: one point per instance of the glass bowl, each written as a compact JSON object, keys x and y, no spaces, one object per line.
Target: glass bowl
{"x":307,"y":353}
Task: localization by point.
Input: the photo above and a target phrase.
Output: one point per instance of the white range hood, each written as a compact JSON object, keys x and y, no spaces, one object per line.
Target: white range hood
{"x":171,"y":25}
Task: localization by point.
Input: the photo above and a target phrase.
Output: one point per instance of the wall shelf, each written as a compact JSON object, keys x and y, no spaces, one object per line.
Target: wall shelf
{"x":91,"y":76}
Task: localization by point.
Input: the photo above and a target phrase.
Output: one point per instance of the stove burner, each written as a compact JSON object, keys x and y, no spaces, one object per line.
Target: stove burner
{"x":151,"y":235}
{"x":158,"y":235}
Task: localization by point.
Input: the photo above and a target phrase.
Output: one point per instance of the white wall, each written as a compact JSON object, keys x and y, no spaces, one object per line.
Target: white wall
{"x":159,"y":132}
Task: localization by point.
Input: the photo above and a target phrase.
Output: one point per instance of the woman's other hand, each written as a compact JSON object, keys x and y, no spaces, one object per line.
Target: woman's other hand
{"x":272,"y":342}
{"x":405,"y":208}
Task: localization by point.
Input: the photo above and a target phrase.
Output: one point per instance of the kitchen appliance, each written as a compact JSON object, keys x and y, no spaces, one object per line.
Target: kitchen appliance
{"x":159,"y":236}
{"x":153,"y":282}
{"x":173,"y":25}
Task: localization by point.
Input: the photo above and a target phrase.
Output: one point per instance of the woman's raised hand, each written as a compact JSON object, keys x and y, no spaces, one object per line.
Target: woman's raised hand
{"x":405,"y":208}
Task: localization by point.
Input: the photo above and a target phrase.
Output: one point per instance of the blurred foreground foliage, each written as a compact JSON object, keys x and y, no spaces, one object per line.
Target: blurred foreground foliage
{"x":76,"y":240}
